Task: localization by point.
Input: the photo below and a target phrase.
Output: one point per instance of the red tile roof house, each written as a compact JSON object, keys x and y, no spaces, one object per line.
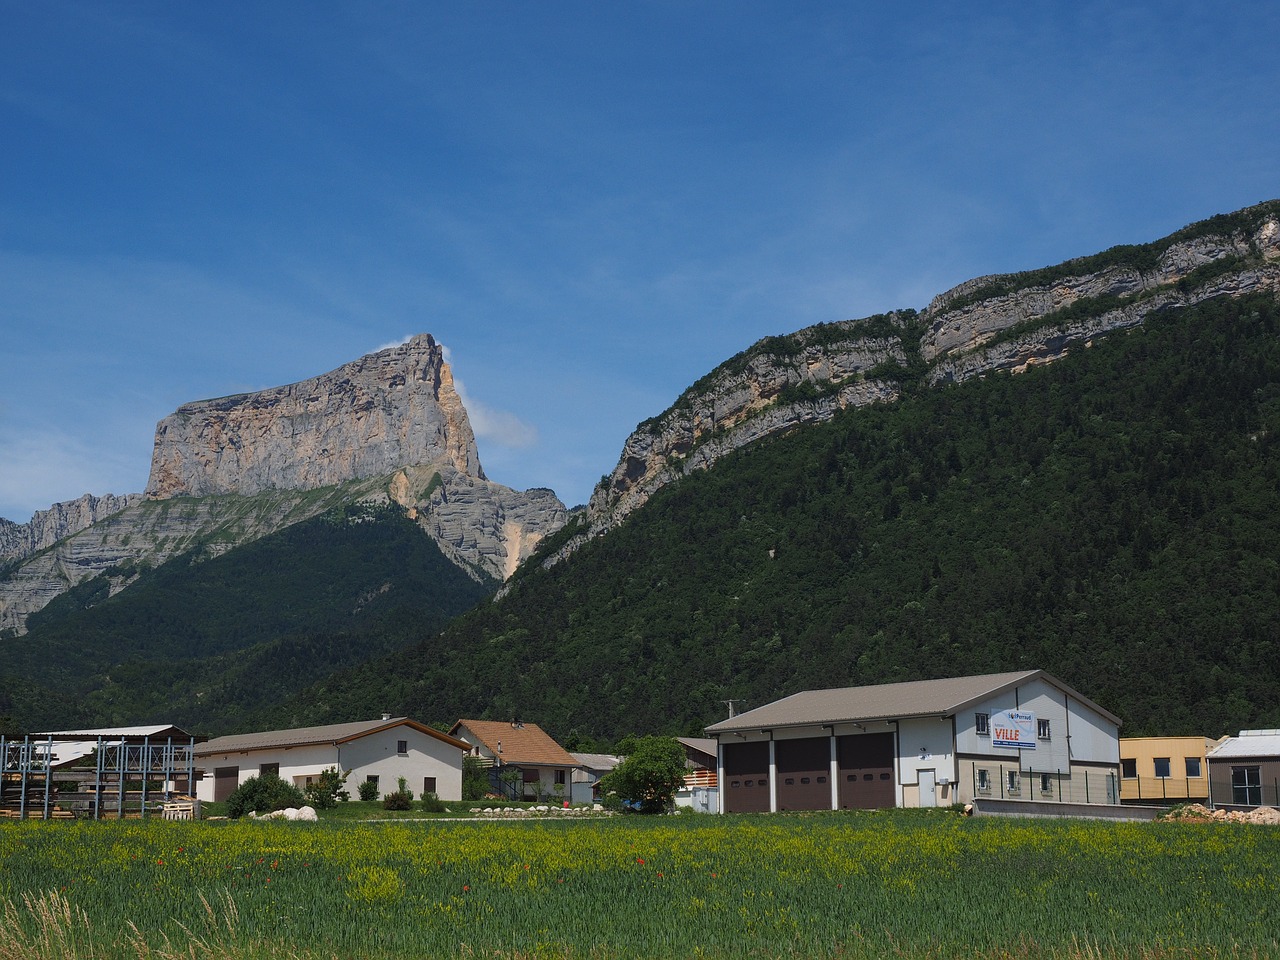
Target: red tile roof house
{"x":525,"y":763}
{"x":381,"y":750}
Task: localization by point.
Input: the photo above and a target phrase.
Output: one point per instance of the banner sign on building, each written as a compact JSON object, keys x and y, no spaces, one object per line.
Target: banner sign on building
{"x":1014,"y":728}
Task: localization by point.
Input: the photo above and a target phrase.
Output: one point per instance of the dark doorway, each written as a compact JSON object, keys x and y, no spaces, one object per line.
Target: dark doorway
{"x":866,"y":771}
{"x":746,"y":777}
{"x":225,"y":781}
{"x":804,"y":773}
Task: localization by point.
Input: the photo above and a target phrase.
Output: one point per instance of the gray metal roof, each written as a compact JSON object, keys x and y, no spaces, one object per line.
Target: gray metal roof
{"x":1250,"y":744}
{"x":597,"y":761}
{"x":300,"y":736}
{"x":116,"y":733}
{"x":886,"y":701}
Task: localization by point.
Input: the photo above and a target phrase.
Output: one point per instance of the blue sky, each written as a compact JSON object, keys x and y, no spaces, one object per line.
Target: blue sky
{"x":590,"y":204}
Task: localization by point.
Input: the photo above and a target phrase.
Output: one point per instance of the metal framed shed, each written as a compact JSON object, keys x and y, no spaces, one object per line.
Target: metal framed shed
{"x":97,"y":774}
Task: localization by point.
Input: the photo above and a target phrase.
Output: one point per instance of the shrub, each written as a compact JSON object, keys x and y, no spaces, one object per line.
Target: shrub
{"x":398,"y":799}
{"x":327,"y":790}
{"x":263,"y":794}
{"x":432,"y":804}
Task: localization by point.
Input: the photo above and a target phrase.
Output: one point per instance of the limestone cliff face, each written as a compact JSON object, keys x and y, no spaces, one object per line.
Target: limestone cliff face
{"x":971,"y":339}
{"x":480,"y":525}
{"x":1006,"y":322}
{"x":47,"y":527}
{"x":776,"y":386}
{"x":368,"y":418}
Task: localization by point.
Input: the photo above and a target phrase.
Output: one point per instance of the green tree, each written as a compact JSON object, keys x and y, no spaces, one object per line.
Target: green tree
{"x":475,"y":778}
{"x":650,"y":775}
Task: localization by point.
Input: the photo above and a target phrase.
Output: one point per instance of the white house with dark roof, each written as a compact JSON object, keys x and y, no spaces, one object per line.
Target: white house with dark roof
{"x":380,"y":750}
{"x":1022,"y":736}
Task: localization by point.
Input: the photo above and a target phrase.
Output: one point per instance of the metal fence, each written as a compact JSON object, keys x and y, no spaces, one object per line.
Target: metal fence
{"x":1162,"y":790}
{"x":1244,"y":792}
{"x":1013,"y":782}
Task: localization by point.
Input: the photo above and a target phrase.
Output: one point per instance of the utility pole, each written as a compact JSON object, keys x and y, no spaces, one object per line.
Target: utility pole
{"x":732,"y":712}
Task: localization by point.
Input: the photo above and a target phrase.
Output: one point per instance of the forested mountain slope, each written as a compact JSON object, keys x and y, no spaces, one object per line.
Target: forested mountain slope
{"x":1001,"y":322}
{"x":204,"y":639}
{"x":1112,"y":517}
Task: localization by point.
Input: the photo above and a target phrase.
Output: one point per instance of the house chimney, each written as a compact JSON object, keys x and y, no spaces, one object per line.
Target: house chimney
{"x":386,"y":716}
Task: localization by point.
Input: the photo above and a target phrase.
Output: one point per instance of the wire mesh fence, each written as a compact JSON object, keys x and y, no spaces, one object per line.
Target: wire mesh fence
{"x":1013,"y":782}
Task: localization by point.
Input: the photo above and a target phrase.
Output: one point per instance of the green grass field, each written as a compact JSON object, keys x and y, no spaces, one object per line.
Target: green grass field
{"x":908,"y":884}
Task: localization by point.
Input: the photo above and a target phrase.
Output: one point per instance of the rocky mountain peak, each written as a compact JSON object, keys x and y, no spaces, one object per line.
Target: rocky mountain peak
{"x":389,"y":426}
{"x":367,"y":418}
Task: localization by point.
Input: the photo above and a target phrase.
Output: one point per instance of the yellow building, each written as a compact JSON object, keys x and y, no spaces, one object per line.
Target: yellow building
{"x":1164,"y":769}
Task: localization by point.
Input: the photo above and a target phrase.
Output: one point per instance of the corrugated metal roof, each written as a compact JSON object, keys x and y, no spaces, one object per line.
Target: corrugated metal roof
{"x":596,"y":761}
{"x":525,"y":743}
{"x":118,"y":733}
{"x":302,"y":736}
{"x":1250,"y":743}
{"x":72,"y":746}
{"x":885,"y":701}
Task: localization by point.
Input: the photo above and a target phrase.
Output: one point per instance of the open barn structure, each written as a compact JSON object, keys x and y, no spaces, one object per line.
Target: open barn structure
{"x":98,"y":774}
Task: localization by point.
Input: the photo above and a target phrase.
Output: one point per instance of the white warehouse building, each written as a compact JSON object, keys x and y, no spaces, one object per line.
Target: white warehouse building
{"x":1023,"y":736}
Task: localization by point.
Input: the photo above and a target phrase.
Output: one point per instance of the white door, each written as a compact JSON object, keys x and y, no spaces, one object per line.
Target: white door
{"x":928,"y":788}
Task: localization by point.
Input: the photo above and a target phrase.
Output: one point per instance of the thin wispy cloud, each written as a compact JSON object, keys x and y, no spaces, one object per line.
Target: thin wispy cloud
{"x":499,"y":426}
{"x":392,"y":344}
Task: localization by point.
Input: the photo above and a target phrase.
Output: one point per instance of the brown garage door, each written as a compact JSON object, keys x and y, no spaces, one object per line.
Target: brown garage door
{"x":746,"y":776}
{"x":225,"y":781}
{"x":804,"y":773}
{"x":866,"y":771}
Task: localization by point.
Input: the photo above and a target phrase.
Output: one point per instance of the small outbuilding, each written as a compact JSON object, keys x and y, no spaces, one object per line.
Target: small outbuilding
{"x":1244,"y":771}
{"x":1010,"y":736}
{"x":382,"y":751}
{"x":699,"y":791}
{"x":1164,"y":770}
{"x":586,"y":776}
